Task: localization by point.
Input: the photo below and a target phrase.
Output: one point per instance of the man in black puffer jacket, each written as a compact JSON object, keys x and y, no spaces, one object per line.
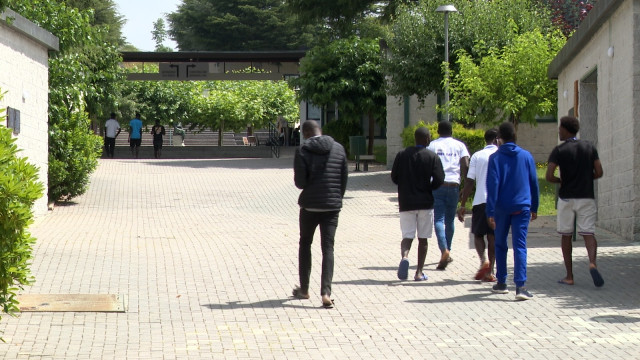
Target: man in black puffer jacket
{"x":320,"y":170}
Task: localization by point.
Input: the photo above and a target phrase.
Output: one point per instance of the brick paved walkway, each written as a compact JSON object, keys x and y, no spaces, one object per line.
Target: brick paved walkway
{"x":205,"y":253}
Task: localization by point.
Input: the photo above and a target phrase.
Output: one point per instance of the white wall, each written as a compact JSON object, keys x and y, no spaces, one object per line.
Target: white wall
{"x":24,"y":79}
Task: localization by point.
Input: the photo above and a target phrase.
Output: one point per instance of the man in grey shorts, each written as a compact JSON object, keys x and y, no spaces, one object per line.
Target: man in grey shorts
{"x":579,"y":166}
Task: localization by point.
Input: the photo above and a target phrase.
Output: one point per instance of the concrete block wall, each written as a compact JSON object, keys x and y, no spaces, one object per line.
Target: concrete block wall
{"x":24,"y":80}
{"x":617,"y":114}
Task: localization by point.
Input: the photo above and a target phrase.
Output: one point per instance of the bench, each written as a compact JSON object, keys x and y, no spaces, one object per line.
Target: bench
{"x":365,"y":159}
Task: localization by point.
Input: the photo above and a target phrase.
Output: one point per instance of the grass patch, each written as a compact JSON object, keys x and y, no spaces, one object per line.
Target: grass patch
{"x":547,"y":194}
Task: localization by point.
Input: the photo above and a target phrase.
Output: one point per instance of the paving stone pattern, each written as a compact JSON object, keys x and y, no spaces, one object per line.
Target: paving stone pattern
{"x":205,"y":254}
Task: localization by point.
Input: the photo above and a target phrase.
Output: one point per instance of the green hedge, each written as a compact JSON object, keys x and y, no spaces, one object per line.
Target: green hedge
{"x":473,"y":138}
{"x":19,"y":189}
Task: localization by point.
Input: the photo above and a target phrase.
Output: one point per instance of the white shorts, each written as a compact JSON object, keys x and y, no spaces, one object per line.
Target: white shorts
{"x":583,"y":211}
{"x":420,"y":221}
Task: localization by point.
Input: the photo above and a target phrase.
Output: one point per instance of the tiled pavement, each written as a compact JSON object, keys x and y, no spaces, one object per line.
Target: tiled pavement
{"x":205,"y":253}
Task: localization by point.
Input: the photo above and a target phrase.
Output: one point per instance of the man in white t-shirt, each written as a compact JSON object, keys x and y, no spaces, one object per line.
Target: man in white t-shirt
{"x":455,"y":162}
{"x":477,"y":176}
{"x":111,"y":131}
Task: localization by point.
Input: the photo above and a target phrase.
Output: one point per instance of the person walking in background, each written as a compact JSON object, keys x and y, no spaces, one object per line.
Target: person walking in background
{"x":111,"y":131}
{"x":417,"y":171}
{"x":512,"y":201}
{"x":320,"y":170}
{"x":135,"y":135}
{"x":158,"y":132}
{"x":477,"y":176}
{"x":455,"y":162}
{"x":579,"y":166}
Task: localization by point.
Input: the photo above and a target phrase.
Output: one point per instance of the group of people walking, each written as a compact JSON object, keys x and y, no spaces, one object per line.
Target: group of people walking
{"x":112,"y":130}
{"x":506,"y":198}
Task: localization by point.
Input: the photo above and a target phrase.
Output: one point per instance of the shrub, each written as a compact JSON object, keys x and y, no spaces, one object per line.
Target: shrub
{"x":473,"y":138}
{"x":73,"y":155}
{"x":19,"y":189}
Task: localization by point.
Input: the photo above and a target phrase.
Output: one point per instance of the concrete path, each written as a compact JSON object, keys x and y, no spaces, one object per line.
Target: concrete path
{"x":205,"y":254}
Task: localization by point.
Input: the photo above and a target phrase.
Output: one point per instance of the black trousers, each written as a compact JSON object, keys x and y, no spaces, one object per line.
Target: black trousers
{"x":110,"y":143}
{"x":309,"y":221}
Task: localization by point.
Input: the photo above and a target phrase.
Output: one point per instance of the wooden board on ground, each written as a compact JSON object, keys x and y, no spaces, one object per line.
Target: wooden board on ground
{"x":71,"y":303}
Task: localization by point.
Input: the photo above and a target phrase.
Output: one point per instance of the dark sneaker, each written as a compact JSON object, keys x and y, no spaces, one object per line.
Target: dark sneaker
{"x":523,"y":294}
{"x":500,"y":288}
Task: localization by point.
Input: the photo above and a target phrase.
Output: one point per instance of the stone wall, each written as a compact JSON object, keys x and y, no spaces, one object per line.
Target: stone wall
{"x":24,"y":79}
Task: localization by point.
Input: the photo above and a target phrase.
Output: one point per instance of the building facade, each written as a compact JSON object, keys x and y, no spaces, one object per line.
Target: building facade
{"x":24,"y":80}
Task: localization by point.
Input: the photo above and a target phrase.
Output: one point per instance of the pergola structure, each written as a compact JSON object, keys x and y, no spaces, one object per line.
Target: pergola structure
{"x":216,"y":65}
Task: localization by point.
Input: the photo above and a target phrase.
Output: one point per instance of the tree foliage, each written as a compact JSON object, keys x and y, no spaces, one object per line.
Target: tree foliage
{"x":103,"y":14}
{"x":19,"y":189}
{"x":250,"y":25}
{"x":508,"y":83}
{"x":159,"y":35}
{"x":347,"y":72}
{"x":416,"y":40}
{"x":568,"y":14}
{"x":84,"y":81}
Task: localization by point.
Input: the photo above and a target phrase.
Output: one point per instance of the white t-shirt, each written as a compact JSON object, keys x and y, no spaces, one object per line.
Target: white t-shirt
{"x":112,"y":126}
{"x":450,"y":152}
{"x":478,"y":172}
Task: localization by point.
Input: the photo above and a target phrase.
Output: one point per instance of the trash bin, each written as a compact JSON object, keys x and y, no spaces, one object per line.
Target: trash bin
{"x":357,"y":146}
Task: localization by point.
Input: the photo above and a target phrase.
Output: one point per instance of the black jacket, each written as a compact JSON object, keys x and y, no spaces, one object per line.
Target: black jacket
{"x":320,"y":170}
{"x":417,"y":171}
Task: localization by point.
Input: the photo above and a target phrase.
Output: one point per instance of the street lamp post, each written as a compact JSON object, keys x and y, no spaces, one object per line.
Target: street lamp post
{"x":446,"y":9}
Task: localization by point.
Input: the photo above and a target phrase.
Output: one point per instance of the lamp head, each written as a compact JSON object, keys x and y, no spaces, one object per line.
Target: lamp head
{"x":446,"y":8}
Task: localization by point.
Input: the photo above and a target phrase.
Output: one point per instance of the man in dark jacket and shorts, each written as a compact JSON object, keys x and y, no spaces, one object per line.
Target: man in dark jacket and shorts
{"x":320,"y":170}
{"x":417,"y":171}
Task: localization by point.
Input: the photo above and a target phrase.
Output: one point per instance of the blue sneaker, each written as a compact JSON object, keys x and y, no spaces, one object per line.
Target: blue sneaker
{"x":500,"y":288}
{"x":403,"y":269}
{"x":523,"y":294}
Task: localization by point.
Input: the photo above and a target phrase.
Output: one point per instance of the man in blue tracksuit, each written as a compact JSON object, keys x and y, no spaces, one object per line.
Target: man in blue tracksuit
{"x":512,"y":199}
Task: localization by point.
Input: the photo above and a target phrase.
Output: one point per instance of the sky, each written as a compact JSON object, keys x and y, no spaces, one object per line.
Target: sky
{"x":140,"y":16}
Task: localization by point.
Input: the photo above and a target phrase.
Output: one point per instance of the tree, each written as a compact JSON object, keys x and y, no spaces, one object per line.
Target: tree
{"x":416,"y":41}
{"x":509,"y":83}
{"x":347,"y":72}
{"x":249,"y":25}
{"x":159,"y":35}
{"x":83,"y":77}
{"x":105,"y":14}
{"x":568,"y":14}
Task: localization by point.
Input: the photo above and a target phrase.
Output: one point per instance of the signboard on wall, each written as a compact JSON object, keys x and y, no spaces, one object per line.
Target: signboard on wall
{"x":184,"y":71}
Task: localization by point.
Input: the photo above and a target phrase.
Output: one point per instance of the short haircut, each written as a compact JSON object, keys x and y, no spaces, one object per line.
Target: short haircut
{"x":571,"y":124}
{"x":422,"y":135}
{"x":113,"y":115}
{"x":138,"y":114}
{"x":310,"y":128}
{"x":445,"y":128}
{"x":507,"y":132}
{"x":490,"y":135}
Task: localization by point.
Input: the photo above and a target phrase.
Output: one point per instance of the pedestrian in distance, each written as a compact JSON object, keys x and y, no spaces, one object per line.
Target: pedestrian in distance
{"x":158,"y":132}
{"x":135,"y":135}
{"x":320,"y":170}
{"x":111,"y":131}
{"x":417,"y":171}
{"x":455,"y":162}
{"x":579,"y":166}
{"x":512,"y":201}
{"x":477,"y":177}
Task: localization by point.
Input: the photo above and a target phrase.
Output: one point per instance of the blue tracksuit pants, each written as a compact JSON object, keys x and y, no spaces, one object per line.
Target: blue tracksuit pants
{"x":519,"y":224}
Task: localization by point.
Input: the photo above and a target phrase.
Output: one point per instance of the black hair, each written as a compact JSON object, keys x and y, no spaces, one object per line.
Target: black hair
{"x":113,"y":115}
{"x":507,"y":132}
{"x":445,"y":128}
{"x":571,"y":124}
{"x":422,"y":136}
{"x":490,"y":135}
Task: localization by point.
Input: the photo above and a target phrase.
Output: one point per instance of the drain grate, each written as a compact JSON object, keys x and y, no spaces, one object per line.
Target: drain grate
{"x":71,"y":303}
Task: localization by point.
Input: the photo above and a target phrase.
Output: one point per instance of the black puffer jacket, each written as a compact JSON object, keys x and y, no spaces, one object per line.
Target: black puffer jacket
{"x":320,"y":170}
